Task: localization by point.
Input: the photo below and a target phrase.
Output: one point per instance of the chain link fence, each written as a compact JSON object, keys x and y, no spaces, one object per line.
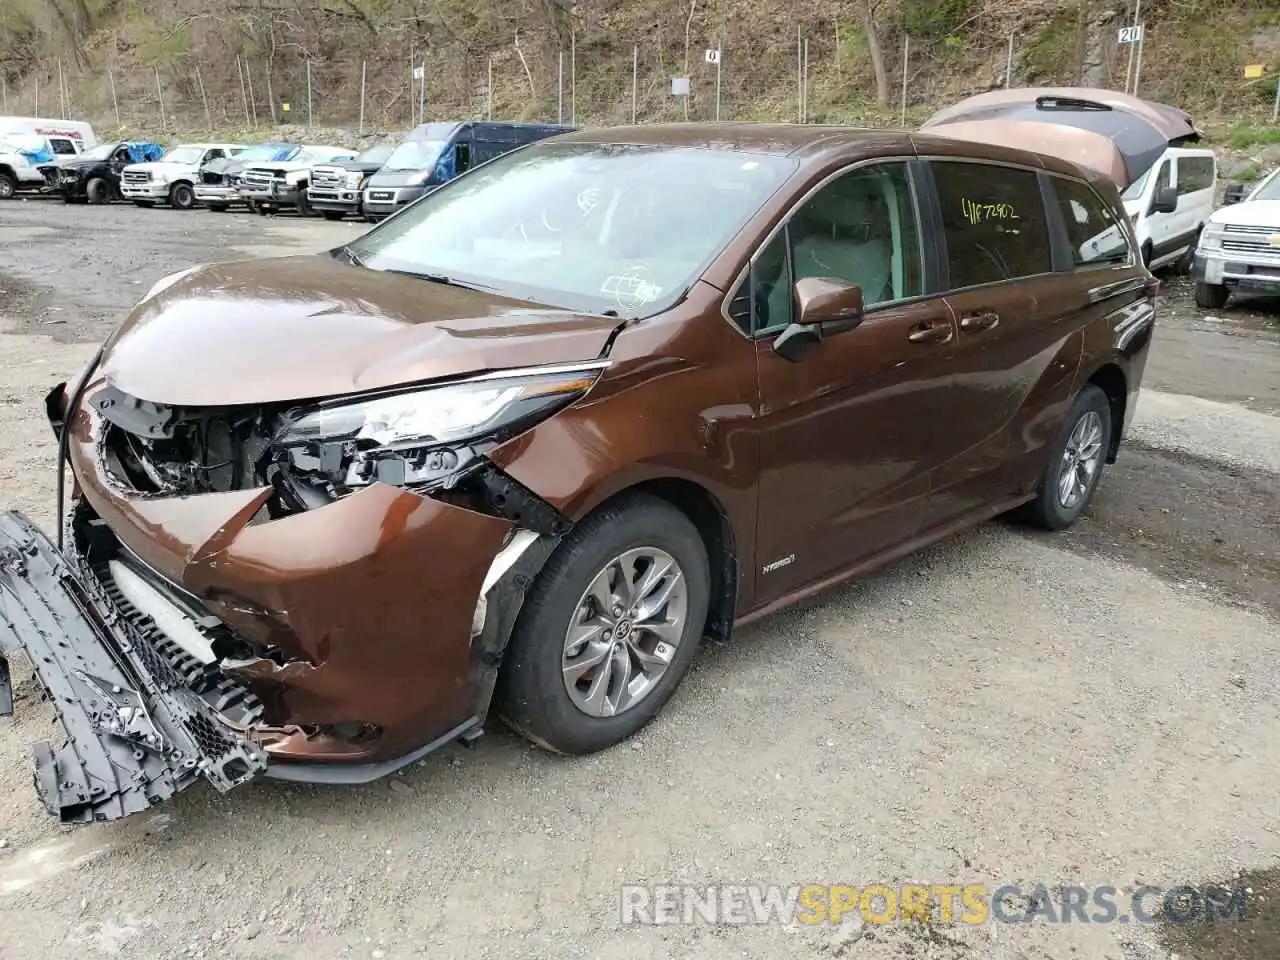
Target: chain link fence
{"x":827,"y":75}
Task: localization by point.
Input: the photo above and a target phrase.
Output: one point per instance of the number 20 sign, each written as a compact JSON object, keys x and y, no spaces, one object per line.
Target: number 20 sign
{"x":1130,"y":34}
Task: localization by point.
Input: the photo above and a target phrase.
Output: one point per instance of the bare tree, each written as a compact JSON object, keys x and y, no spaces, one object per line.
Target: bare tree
{"x":868,"y":13}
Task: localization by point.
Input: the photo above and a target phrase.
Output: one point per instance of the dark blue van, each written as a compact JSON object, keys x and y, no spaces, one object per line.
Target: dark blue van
{"x":435,"y":153}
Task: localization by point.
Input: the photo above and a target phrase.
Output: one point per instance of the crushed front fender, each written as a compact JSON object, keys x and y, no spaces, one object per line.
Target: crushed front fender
{"x":135,"y":733}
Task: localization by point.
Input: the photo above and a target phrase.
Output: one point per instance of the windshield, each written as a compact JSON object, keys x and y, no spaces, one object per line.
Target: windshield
{"x":413,"y":155}
{"x":1270,"y":189}
{"x":1134,"y":190}
{"x":589,"y":227}
{"x":378,"y":154}
{"x":184,"y":155}
{"x":102,"y":151}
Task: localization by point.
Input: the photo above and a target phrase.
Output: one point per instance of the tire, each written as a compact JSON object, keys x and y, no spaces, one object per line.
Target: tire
{"x":1182,"y":266}
{"x":1089,"y":416}
{"x":8,"y":186}
{"x":181,"y":196}
{"x":252,"y":206}
{"x":97,"y":191}
{"x":1211,"y":296}
{"x":533,"y":696}
{"x":333,"y":215}
{"x":217,"y":207}
{"x":1146,"y":255}
{"x":303,"y":205}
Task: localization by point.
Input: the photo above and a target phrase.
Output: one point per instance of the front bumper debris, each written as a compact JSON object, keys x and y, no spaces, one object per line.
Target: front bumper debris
{"x":136,"y":733}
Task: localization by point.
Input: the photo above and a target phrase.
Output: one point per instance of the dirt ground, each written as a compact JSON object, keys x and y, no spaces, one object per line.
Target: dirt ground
{"x":1100,"y":707}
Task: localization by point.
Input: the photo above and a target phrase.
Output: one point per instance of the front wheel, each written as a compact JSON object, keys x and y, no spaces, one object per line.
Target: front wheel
{"x":181,"y":196}
{"x":608,"y":629}
{"x":1075,"y":463}
{"x":1211,"y":296}
{"x":1182,"y":266}
{"x":98,"y":191}
{"x":303,"y":205}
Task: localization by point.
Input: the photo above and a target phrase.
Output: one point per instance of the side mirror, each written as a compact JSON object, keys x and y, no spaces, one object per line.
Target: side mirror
{"x":823,"y":306}
{"x":1166,"y":201}
{"x":1235,"y":193}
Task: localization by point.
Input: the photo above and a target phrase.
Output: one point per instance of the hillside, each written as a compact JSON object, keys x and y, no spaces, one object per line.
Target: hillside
{"x":179,"y":66}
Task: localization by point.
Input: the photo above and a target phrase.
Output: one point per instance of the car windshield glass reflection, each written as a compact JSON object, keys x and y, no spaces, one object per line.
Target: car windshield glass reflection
{"x":414,"y":155}
{"x":583,"y":226}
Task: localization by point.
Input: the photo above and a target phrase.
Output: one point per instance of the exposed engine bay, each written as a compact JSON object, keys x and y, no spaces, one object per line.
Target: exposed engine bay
{"x":155,"y":449}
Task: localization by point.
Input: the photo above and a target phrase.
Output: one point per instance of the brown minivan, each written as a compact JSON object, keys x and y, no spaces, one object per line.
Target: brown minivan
{"x":531,"y":439}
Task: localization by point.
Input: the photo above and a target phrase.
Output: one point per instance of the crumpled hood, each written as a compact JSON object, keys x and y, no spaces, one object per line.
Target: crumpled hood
{"x":223,"y":165}
{"x":294,"y":328}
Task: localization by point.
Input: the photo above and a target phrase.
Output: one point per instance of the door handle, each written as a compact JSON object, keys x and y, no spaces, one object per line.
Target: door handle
{"x":977,"y":322}
{"x":931,"y":331}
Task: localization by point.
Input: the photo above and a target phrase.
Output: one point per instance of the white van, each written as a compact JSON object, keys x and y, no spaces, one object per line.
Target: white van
{"x":26,"y":142}
{"x":1170,"y":203}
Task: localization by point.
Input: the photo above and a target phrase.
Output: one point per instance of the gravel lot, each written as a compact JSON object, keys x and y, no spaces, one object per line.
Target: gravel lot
{"x":1098,"y":707}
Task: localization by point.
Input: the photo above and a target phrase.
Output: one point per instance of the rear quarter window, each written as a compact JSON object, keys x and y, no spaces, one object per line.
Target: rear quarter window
{"x":64,"y":148}
{"x":1094,"y":230}
{"x":994,"y":222}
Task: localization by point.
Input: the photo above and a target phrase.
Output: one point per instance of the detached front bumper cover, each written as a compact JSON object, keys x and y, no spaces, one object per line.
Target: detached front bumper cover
{"x":136,"y":734}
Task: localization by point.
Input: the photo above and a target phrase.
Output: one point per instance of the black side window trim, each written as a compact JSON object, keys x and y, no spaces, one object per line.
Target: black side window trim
{"x":1059,"y":237}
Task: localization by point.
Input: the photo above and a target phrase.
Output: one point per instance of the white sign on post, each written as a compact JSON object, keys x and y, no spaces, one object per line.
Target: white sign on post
{"x":419,"y":73}
{"x":713,"y":56}
{"x":680,"y":86}
{"x":1129,"y":34}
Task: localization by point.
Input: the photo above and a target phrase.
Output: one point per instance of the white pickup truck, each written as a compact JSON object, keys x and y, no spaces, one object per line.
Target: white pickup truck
{"x":172,"y":178}
{"x":1240,"y":245}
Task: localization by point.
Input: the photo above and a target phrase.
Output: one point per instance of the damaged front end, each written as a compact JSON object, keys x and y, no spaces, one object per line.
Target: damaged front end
{"x":303,"y":590}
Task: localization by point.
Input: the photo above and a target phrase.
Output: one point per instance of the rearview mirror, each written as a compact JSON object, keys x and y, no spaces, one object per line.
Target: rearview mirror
{"x":824,"y":306}
{"x":1166,"y":200}
{"x":1236,"y":192}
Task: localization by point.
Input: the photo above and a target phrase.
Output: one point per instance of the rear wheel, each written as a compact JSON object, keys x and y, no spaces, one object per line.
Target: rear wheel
{"x":98,"y":191}
{"x":181,"y":196}
{"x":1211,"y":296}
{"x":609,"y":628}
{"x":8,"y":186}
{"x":1076,"y":461}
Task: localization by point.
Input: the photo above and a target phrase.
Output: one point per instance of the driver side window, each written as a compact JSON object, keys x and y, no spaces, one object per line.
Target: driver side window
{"x":860,"y":228}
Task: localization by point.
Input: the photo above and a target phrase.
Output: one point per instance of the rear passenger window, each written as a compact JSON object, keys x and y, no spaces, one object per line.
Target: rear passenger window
{"x":1095,"y":233}
{"x":994,"y":221}
{"x":1194,"y":174}
{"x":64,"y":148}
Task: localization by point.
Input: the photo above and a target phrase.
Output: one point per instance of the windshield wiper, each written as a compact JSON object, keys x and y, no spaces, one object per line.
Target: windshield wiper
{"x":353,"y":258}
{"x":442,"y":279}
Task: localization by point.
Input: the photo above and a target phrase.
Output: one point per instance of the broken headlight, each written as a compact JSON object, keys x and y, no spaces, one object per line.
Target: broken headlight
{"x":422,"y":436}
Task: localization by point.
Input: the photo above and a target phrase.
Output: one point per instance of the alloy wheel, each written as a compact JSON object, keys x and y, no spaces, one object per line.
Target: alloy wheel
{"x":624,"y":632}
{"x":1080,"y":460}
